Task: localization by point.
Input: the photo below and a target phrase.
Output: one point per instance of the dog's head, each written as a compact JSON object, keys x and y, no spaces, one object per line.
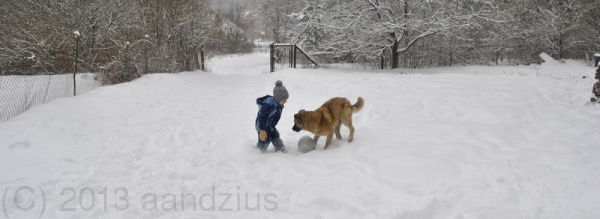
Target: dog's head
{"x":299,"y":119}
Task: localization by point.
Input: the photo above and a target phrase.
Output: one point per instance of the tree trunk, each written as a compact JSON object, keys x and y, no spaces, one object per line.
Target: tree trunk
{"x":146,"y":59}
{"x":394,"y":56}
{"x":202,"y":58}
{"x":560,"y":47}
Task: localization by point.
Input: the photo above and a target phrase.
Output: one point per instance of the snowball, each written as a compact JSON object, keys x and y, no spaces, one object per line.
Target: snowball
{"x":306,"y":144}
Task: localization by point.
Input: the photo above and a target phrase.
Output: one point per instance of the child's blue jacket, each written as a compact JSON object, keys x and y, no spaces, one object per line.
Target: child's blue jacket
{"x":269,"y":113}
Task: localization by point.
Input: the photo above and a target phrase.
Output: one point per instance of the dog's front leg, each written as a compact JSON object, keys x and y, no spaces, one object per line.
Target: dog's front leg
{"x":316,"y":138}
{"x":329,"y":140}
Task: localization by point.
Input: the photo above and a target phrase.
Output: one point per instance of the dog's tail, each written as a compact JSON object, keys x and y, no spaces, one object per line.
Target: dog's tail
{"x":358,"y":105}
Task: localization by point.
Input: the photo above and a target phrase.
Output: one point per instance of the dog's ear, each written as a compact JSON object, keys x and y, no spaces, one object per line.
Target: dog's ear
{"x":302,"y":112}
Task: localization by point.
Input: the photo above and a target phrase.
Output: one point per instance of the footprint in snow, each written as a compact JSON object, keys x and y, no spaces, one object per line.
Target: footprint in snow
{"x":20,"y":146}
{"x":69,"y":160}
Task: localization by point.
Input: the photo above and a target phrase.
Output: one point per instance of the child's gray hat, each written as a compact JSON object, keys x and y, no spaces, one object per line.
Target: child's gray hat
{"x":279,"y":92}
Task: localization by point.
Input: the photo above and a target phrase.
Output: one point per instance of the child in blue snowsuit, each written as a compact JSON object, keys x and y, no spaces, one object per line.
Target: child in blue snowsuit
{"x":269,"y":112}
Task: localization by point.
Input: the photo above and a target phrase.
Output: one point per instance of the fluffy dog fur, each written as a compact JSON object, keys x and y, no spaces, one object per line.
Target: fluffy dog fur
{"x":327,"y":119}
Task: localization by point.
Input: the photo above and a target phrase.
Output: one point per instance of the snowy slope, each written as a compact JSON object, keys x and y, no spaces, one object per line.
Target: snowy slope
{"x":460,"y":142}
{"x":240,"y":64}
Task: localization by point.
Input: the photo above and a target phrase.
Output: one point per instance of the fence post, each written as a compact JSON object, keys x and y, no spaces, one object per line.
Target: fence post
{"x":75,"y":63}
{"x":146,"y":54}
{"x":295,"y":53}
{"x":271,"y":58}
{"x":291,"y":58}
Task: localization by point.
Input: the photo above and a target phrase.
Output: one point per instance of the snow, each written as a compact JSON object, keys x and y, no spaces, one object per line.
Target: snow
{"x":460,"y":142}
{"x":230,"y":27}
{"x":261,"y":43}
{"x":547,"y":58}
{"x":248,"y":65}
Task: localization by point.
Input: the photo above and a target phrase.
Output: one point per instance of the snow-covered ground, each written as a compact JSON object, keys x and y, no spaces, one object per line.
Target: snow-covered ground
{"x":459,"y":142}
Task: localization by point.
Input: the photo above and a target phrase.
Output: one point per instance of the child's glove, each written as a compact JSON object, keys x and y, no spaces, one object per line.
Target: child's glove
{"x":263,"y":135}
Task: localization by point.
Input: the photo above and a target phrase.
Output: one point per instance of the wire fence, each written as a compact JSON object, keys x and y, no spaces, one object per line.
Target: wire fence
{"x":19,"y":93}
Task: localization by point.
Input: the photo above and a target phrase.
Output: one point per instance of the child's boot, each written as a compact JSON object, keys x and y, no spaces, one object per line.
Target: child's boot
{"x":279,"y":145}
{"x":262,"y":146}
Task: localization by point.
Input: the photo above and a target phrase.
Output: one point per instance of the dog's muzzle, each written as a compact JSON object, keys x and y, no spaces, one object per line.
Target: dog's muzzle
{"x":296,"y":128}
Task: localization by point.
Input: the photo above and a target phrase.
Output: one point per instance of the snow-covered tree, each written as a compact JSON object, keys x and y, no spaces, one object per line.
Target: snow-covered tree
{"x":37,"y":36}
{"x":365,"y":29}
{"x":411,"y":33}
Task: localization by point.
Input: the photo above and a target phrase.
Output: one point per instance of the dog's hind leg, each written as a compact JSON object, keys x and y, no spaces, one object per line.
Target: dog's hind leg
{"x":337,"y":131}
{"x":329,"y":140}
{"x":348,"y":123}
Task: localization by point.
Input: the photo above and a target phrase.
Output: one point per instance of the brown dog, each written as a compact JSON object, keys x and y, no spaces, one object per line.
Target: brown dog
{"x":327,"y":119}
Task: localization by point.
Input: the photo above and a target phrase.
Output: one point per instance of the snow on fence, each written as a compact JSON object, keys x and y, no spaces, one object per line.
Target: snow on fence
{"x":19,"y":93}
